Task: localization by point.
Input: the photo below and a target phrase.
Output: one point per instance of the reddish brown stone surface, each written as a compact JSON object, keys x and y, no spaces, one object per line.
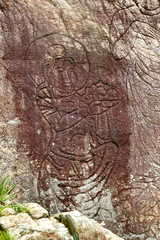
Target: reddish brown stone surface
{"x":85,"y":109}
{"x":84,"y":82}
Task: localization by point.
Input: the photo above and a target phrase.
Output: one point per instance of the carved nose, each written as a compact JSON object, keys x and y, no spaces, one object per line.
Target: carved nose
{"x":64,"y":81}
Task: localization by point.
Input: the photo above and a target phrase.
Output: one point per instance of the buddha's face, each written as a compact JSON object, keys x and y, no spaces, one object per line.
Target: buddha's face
{"x":64,"y":76}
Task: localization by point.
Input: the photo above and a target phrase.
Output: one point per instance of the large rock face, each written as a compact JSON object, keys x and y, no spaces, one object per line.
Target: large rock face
{"x":79,"y":123}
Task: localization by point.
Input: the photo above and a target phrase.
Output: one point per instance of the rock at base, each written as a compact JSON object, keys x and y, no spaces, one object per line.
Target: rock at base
{"x":82,"y":228}
{"x":37,"y":225}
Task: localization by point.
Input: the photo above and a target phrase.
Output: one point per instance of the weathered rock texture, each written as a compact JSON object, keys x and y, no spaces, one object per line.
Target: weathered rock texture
{"x":81,"y":227}
{"x":80,"y":113}
{"x":70,"y":226}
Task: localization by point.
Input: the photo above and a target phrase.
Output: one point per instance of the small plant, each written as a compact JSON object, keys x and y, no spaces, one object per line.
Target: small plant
{"x":4,"y":235}
{"x":8,"y":199}
{"x":5,"y":191}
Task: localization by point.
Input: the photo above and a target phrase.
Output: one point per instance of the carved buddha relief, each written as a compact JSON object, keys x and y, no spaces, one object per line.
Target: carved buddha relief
{"x":76,"y":101}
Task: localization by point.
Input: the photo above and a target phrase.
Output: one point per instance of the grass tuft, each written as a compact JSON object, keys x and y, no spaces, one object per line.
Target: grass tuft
{"x":5,"y":190}
{"x":4,"y":235}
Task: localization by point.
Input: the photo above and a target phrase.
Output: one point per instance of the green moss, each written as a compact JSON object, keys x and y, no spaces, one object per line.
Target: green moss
{"x":19,"y":207}
{"x":70,"y":224}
